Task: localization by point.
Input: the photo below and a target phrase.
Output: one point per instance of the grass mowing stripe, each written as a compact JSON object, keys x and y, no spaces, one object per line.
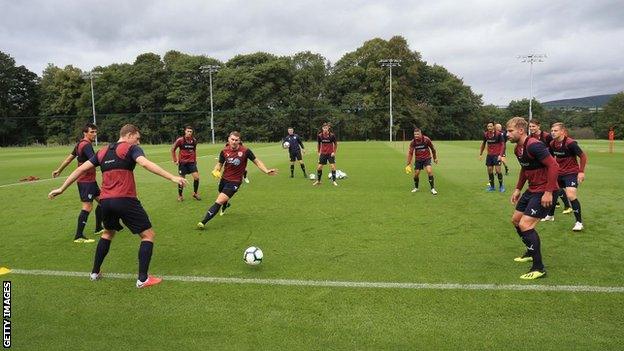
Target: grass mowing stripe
{"x":345,"y":284}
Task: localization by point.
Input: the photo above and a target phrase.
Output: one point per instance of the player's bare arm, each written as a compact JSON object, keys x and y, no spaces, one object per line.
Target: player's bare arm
{"x":156,"y":169}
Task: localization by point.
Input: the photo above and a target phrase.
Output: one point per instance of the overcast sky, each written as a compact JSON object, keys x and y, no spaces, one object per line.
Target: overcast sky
{"x":478,"y":41}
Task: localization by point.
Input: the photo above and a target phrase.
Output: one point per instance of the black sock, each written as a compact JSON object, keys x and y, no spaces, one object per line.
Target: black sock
{"x":576,"y":207}
{"x":179,"y":190}
{"x":551,"y":210}
{"x":303,"y":170}
{"x":431,"y":181}
{"x":245,"y":174}
{"x":506,"y":168}
{"x":534,"y":248}
{"x":333,"y":176}
{"x":100,"y":253}
{"x":212,"y":211}
{"x":491,"y":176}
{"x":225,"y":206}
{"x":145,"y":256}
{"x":527,"y":253}
{"x":500,"y":179}
{"x":319,"y":174}
{"x":292,"y":171}
{"x":82,"y":221}
{"x":195,"y":185}
{"x":564,"y":199}
{"x":416,"y":179}
{"x":98,"y":218}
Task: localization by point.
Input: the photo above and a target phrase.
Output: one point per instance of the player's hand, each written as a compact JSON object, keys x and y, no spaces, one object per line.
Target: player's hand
{"x":435,"y":160}
{"x":179,"y":180}
{"x":547,"y":199}
{"x":515,"y":196}
{"x":408,"y":169}
{"x":503,"y":159}
{"x":216,"y":174}
{"x":272,"y":172}
{"x":56,"y":173}
{"x":480,"y":157}
{"x":54,"y":193}
{"x":175,"y":162}
{"x":333,"y":154}
{"x":580,"y":177}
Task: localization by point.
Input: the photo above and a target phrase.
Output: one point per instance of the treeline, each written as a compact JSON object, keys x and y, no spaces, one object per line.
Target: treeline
{"x":260,"y":94}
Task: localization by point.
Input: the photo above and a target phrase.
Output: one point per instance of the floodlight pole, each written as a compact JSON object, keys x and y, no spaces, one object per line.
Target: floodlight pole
{"x":91,"y":75}
{"x":210,"y":69}
{"x":531,"y":58}
{"x":390,"y":63}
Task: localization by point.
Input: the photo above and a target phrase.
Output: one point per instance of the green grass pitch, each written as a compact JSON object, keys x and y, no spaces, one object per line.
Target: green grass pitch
{"x":369,"y":229}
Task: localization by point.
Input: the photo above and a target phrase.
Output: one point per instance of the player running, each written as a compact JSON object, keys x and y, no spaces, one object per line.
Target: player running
{"x":421,"y":149}
{"x":186,"y":160}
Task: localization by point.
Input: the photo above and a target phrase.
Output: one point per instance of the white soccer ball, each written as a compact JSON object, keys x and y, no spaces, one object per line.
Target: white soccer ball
{"x":339,"y":175}
{"x":312,"y":176}
{"x":253,"y":256}
{"x":286,"y":145}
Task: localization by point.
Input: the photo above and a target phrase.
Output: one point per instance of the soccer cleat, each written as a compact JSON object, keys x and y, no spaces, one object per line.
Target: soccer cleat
{"x":548,"y":219}
{"x":567,"y":210}
{"x":334,"y":182}
{"x":223,"y":208}
{"x":490,"y":189}
{"x":99,"y":232}
{"x":433,"y":191}
{"x":149,"y":282}
{"x":501,"y":189}
{"x":196,"y":197}
{"x":414,"y":190}
{"x":201,"y":226}
{"x":578,"y":226}
{"x":95,"y":276}
{"x":180,"y":198}
{"x":533,"y":275}
{"x":246,"y":180}
{"x":524,"y":258}
{"x":4,"y":270}
{"x":317,"y":182}
{"x":83,"y":240}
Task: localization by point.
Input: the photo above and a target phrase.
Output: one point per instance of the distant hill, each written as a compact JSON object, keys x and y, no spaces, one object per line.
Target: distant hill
{"x":588,"y":101}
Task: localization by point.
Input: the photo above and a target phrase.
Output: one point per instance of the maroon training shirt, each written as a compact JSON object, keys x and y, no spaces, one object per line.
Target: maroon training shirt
{"x":566,"y":151}
{"x":83,"y":151}
{"x":235,"y":162}
{"x":538,"y":166}
{"x":117,"y":162}
{"x":420,"y":148}
{"x":187,"y":150}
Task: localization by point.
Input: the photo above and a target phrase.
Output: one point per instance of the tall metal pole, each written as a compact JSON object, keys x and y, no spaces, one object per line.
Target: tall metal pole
{"x":531,"y":59}
{"x":91,"y":75}
{"x":390,"y":63}
{"x":210,"y":69}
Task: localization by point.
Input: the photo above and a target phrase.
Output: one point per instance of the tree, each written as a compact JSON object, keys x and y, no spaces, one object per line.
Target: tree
{"x":612,"y":116}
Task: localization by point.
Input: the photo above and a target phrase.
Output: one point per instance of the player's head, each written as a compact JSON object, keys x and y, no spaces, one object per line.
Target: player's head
{"x":130,"y":133}
{"x":326,"y":128}
{"x":188,"y":131}
{"x":498,"y":127}
{"x":516,"y":129}
{"x":234,"y":139}
{"x":534,"y":126}
{"x":558,"y":131}
{"x":417,"y":133}
{"x":490,"y":126}
{"x":291,"y":130}
{"x":89,"y":131}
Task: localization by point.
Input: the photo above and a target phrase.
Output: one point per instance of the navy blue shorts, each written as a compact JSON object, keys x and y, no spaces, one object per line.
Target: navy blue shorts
{"x":228,"y":188}
{"x":295,"y":156}
{"x":421,"y":164}
{"x":531,"y":205}
{"x":568,"y":180}
{"x":492,"y":160}
{"x":324,"y":158}
{"x":187,"y":168}
{"x":88,"y":191}
{"x":126,"y":209}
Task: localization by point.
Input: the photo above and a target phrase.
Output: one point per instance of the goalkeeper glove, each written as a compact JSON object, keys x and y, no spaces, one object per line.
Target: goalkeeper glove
{"x":216,"y":174}
{"x":408,"y":169}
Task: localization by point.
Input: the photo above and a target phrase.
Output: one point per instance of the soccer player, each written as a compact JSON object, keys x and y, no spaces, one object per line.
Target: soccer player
{"x":295,"y":150}
{"x":499,"y":128}
{"x":571,"y":174}
{"x":186,"y":160}
{"x":119,"y":198}
{"x":327,"y":145}
{"x":540,"y":169}
{"x":230,"y":168}
{"x":420,"y":149}
{"x":495,"y":152}
{"x":87,"y":185}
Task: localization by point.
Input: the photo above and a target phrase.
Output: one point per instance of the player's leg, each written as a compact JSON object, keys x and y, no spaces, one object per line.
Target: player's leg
{"x":531,"y":216}
{"x":566,"y":202}
{"x":301,"y":164}
{"x":490,"y":171}
{"x":499,"y":175}
{"x":245,"y":179}
{"x":196,"y":185}
{"x":182,"y":172}
{"x":292,"y":166}
{"x":332,"y":166}
{"x":83,"y":216}
{"x":145,"y":256}
{"x":576,"y":207}
{"x":99,"y":229}
{"x":416,"y":178}
{"x":319,"y":169}
{"x":226,"y":191}
{"x":110,"y":221}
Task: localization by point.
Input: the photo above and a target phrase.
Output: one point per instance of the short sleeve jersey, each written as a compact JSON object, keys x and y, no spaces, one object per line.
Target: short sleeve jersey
{"x":495,"y":142}
{"x":542,"y":136}
{"x":530,"y":156}
{"x":326,"y":143}
{"x":83,"y":151}
{"x":420,"y":148}
{"x":188,"y":147}
{"x":117,"y":162}
{"x":235,"y":162}
{"x":566,"y":152}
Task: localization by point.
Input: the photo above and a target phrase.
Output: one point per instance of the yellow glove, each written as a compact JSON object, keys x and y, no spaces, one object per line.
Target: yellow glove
{"x":216,"y":174}
{"x":408,"y":169}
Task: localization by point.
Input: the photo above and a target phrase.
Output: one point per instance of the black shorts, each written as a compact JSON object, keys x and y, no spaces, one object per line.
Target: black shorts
{"x":187,"y":168}
{"x":568,"y":180}
{"x":324,"y":158}
{"x":88,"y":191}
{"x":295,"y":156}
{"x":492,"y":160}
{"x":421,"y":164}
{"x":126,"y":209}
{"x":228,"y":188}
{"x":531,"y":205}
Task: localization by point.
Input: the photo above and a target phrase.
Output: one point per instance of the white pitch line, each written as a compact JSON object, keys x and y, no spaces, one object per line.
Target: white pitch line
{"x":343,"y":284}
{"x":31,"y":182}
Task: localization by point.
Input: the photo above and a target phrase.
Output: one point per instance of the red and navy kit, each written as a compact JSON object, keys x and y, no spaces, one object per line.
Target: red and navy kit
{"x":566,"y":151}
{"x":187,"y":148}
{"x":542,"y":136}
{"x":420,"y":149}
{"x":495,"y":143}
{"x":539,"y":168}
{"x":83,"y":151}
{"x":327,"y":143}
{"x":235,"y":163}
{"x":117,"y":162}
